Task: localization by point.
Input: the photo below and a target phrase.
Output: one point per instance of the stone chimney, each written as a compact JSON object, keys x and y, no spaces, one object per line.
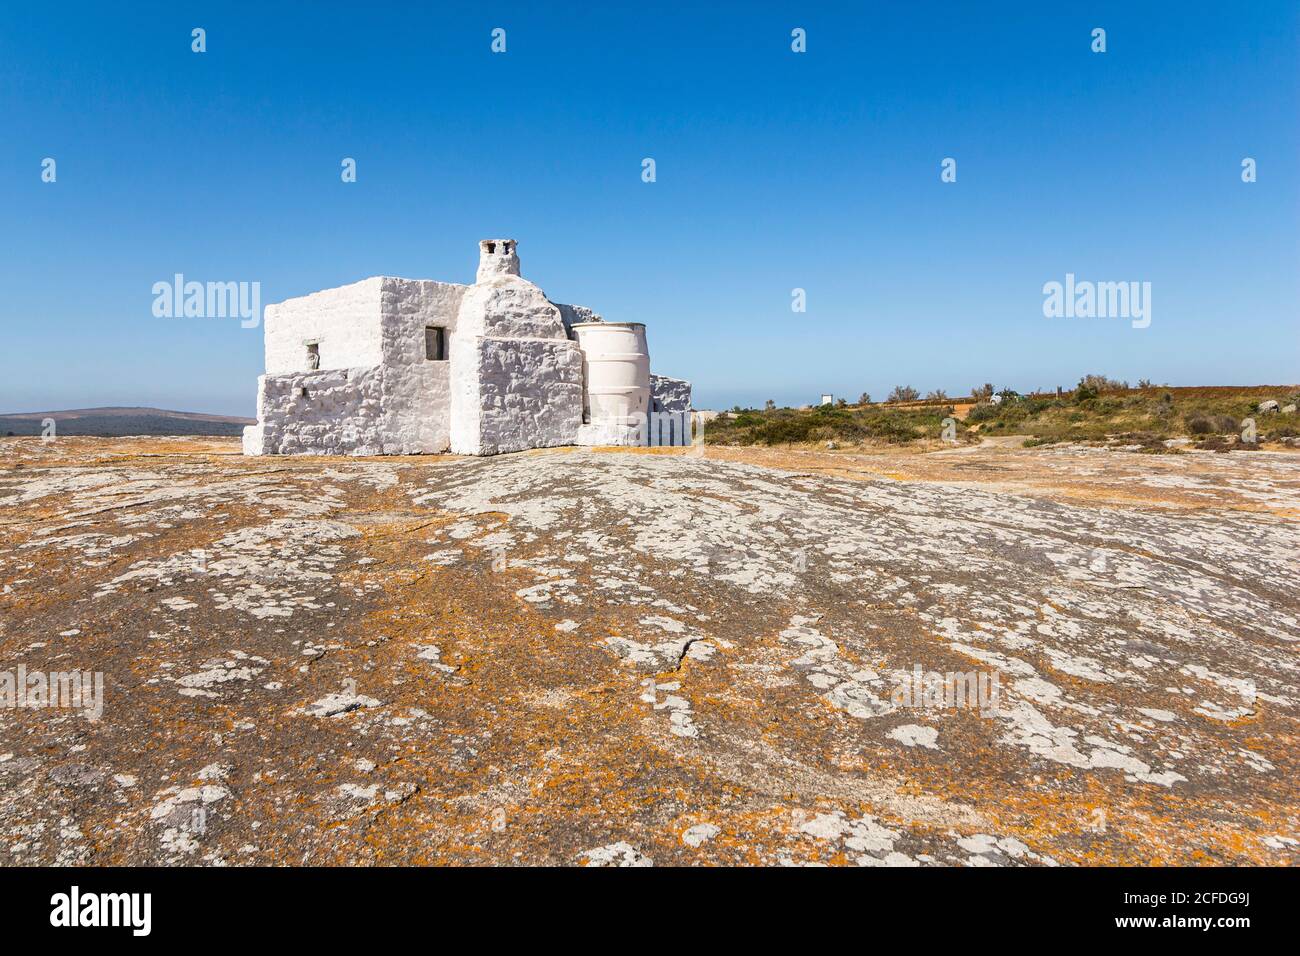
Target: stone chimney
{"x":497,"y":257}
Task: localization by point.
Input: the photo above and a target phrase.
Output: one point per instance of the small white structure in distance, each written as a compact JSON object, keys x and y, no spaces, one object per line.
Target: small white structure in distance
{"x":390,"y":366}
{"x":828,"y":399}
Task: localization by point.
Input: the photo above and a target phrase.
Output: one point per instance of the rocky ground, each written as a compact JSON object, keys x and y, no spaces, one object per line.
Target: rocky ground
{"x":587,"y":657}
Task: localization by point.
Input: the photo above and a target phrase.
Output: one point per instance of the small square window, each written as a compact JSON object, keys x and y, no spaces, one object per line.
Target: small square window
{"x":435,"y":343}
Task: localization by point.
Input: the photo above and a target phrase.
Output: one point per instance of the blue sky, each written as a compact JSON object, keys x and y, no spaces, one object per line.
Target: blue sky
{"x":775,"y":170}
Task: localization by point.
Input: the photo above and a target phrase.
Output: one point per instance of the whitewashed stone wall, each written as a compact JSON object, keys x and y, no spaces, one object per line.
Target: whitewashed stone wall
{"x":396,"y":403}
{"x":417,"y":392}
{"x":669,"y":394}
{"x":513,"y":378}
{"x":516,"y":375}
{"x":342,"y":319}
{"x":341,"y":413}
{"x":572,"y":315}
{"x":530,"y":393}
{"x":609,"y":433}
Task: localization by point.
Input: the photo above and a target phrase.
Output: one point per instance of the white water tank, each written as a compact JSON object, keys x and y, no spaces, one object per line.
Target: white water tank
{"x":615,"y":371}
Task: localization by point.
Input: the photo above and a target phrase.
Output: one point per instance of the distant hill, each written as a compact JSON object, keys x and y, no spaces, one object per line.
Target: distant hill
{"x":117,"y":421}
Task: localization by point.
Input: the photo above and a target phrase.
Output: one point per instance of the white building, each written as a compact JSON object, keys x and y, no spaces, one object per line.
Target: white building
{"x":408,"y":366}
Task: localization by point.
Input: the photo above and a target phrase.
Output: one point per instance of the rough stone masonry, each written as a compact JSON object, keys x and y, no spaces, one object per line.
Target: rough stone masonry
{"x":389,"y":366}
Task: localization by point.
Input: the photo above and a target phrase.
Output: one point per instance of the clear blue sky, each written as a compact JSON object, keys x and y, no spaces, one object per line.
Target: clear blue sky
{"x":775,"y":170}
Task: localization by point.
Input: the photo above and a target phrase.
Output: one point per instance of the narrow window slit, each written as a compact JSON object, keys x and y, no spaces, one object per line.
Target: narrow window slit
{"x":435,"y":343}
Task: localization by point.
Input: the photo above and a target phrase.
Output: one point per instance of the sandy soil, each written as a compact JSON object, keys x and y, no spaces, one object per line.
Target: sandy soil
{"x":615,"y":657}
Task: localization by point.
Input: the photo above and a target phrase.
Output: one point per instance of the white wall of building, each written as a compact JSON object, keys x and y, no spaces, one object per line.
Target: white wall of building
{"x":513,"y":378}
{"x":516,"y":374}
{"x":669,"y":394}
{"x":417,"y":392}
{"x":332,"y":412}
{"x":343,"y":320}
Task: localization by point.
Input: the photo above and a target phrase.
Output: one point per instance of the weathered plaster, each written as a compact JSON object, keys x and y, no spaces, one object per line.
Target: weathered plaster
{"x":511,"y":378}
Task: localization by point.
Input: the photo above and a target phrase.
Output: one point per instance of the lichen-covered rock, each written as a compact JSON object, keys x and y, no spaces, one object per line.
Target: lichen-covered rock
{"x":615,"y":657}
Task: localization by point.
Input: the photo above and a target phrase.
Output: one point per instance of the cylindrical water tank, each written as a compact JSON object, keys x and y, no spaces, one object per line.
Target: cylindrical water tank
{"x":615,"y":370}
